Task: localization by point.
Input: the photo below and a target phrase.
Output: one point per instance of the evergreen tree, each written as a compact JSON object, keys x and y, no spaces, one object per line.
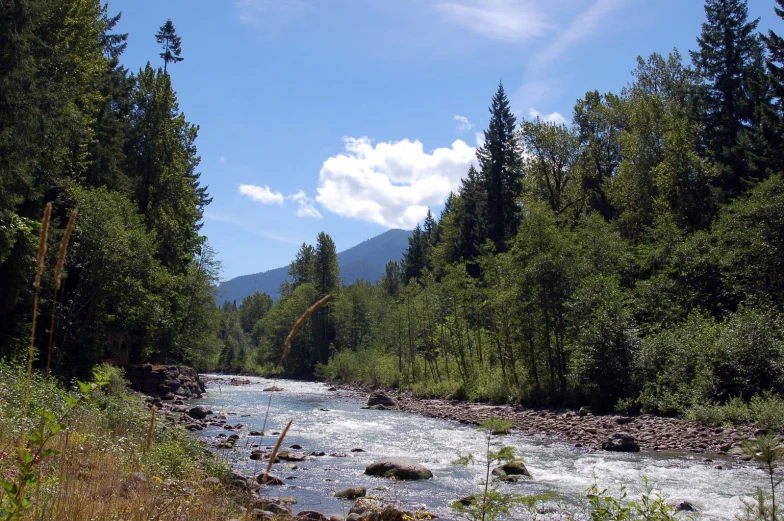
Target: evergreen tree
{"x":391,"y":279}
{"x":467,"y":213}
{"x":326,"y":268}
{"x":326,"y":281}
{"x":170,"y":43}
{"x":161,"y":158}
{"x":414,"y":257}
{"x":106,"y":166}
{"x":728,"y":60}
{"x":303,"y":269}
{"x":500,"y":162}
{"x":773,"y":114}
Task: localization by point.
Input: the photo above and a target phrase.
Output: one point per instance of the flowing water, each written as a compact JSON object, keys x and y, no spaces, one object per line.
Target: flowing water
{"x":335,"y":423}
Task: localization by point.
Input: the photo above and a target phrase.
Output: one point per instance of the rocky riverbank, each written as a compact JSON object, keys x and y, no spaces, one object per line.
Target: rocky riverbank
{"x":582,"y":427}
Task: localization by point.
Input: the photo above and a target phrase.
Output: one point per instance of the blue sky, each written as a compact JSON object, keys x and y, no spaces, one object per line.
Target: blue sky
{"x":354,"y":116}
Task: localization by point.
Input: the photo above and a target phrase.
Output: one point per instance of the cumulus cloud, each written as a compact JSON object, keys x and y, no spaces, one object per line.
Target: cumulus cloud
{"x":391,"y":183}
{"x":462,"y":123}
{"x":262,"y":194}
{"x":505,"y":20}
{"x":305,"y":205}
{"x":553,"y":117}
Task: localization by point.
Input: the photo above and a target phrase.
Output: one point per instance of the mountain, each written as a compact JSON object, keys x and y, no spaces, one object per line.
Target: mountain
{"x":365,"y":261}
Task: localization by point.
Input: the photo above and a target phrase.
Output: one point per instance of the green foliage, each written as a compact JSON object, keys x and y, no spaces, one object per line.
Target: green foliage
{"x":768,"y":450}
{"x":492,"y":503}
{"x":604,"y":506}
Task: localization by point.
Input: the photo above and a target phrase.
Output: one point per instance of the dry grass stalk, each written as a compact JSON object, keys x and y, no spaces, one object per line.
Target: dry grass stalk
{"x":275,"y":452}
{"x":57,"y":278}
{"x":306,"y":315}
{"x":36,"y":284}
{"x":151,"y":429}
{"x":287,"y":347}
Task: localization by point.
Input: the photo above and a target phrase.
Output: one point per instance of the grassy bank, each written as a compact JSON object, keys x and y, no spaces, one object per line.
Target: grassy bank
{"x":90,"y":454}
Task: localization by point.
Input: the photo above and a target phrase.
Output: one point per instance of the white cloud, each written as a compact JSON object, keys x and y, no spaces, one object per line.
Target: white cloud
{"x":262,"y":194}
{"x":505,"y":20}
{"x":393,"y":183}
{"x":480,"y":139}
{"x":222,"y":160}
{"x":553,"y":117}
{"x":462,"y":123}
{"x":306,"y":208}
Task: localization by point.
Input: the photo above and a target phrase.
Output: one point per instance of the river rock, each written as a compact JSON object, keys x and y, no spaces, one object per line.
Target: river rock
{"x":288,"y":455}
{"x":274,"y":389}
{"x":351,"y":493}
{"x":374,"y":510}
{"x":399,"y":468}
{"x":274,"y":505}
{"x":198,"y":413}
{"x":685,"y":506}
{"x":621,"y":442}
{"x":380,"y":398}
{"x":312,"y":514}
{"x":512,"y":468}
{"x":271,"y":480}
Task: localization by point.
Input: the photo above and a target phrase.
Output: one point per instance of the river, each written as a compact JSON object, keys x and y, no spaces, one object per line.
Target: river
{"x":335,"y":423}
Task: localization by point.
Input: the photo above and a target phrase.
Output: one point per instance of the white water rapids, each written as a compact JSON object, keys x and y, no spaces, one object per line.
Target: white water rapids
{"x":557,"y":467}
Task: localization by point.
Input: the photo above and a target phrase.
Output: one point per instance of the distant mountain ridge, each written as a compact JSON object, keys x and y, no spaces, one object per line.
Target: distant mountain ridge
{"x":365,"y":261}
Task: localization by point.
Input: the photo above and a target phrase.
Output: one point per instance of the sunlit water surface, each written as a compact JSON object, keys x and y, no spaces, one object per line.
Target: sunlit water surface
{"x":557,"y":467}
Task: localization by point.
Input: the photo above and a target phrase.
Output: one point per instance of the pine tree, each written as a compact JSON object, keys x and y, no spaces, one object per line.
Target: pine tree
{"x":414,"y":256}
{"x":303,"y":269}
{"x":773,"y":114}
{"x":500,"y":162}
{"x":162,"y":158}
{"x":327,"y":281}
{"x":728,"y":61}
{"x":170,"y":43}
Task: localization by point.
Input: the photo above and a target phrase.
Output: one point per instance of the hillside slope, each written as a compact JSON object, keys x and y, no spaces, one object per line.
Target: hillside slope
{"x":365,"y":261}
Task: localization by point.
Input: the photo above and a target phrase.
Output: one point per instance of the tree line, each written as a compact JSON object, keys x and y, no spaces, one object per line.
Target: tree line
{"x":631,"y":259}
{"x":81,"y":131}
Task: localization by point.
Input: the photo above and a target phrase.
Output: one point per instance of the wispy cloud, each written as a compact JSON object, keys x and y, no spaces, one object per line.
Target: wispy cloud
{"x":262,"y":194}
{"x":270,"y":15}
{"x":306,"y":208}
{"x":504,"y":20}
{"x":539,"y":85}
{"x":222,"y":160}
{"x":581,"y":26}
{"x":462,"y":123}
{"x":244,"y":226}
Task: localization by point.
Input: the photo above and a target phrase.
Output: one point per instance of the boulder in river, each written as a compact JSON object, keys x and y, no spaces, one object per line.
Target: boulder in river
{"x":288,"y":455}
{"x":685,"y":506}
{"x":511,"y":468}
{"x":351,"y":493}
{"x":270,"y":480}
{"x":274,"y":505}
{"x":314,"y":515}
{"x":398,"y":468}
{"x":621,"y":442}
{"x":380,"y":398}
{"x":198,"y":413}
{"x":274,"y":388}
{"x":374,"y":510}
